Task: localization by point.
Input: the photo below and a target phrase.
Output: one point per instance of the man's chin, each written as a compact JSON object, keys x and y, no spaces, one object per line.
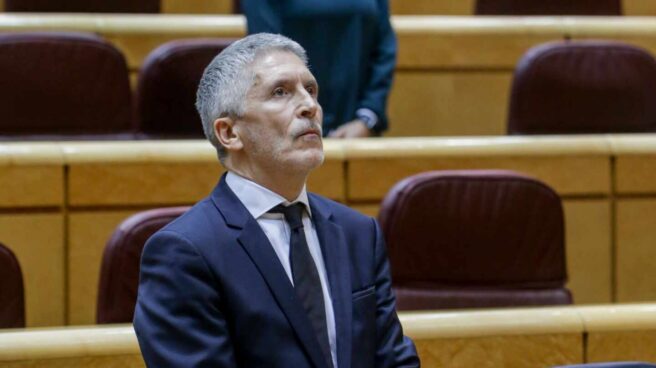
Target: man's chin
{"x":308,"y":158}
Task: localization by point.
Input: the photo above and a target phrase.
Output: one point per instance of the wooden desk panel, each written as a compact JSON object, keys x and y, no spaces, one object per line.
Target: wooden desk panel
{"x":636,"y":174}
{"x":31,"y":186}
{"x":444,"y":7}
{"x":37,"y":239}
{"x":442,"y":42}
{"x":568,"y":175}
{"x":448,"y":103}
{"x":635,"y":163}
{"x":89,"y":232}
{"x":634,"y":262}
{"x":589,"y":253}
{"x":639,"y":7}
{"x":622,"y":346}
{"x":110,"y":361}
{"x":130,"y":184}
{"x":328,"y":179}
{"x":197,"y":6}
{"x":623,"y":332}
{"x":502,"y":351}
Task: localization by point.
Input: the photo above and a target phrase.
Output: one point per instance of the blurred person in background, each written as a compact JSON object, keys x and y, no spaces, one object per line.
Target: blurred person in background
{"x":352,"y":52}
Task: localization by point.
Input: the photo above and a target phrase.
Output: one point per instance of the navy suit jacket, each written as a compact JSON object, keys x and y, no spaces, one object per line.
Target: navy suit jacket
{"x":213,"y":293}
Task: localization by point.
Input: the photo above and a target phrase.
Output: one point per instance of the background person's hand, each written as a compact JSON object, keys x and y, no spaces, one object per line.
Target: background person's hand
{"x":353,"y":129}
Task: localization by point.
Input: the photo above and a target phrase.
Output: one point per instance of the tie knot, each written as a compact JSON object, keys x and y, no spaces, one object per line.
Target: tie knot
{"x":293,"y":214}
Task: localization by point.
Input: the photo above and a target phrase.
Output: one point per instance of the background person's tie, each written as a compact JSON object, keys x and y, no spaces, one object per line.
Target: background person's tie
{"x":305,"y":275}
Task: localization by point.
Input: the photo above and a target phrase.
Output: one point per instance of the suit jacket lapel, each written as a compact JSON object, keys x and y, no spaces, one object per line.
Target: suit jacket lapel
{"x":335,"y":255}
{"x":256,"y":244}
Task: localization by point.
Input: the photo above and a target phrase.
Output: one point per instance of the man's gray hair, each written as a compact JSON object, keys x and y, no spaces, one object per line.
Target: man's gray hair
{"x":227,"y":79}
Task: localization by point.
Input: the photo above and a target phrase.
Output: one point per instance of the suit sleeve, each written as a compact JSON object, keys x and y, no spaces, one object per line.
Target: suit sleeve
{"x":178,"y":319}
{"x":262,"y":16}
{"x":382,"y":62}
{"x":393,"y":348}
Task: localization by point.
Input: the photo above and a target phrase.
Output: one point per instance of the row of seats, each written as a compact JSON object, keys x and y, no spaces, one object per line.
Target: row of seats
{"x":482,"y":7}
{"x":75,"y":85}
{"x":456,"y":239}
{"x":81,"y":86}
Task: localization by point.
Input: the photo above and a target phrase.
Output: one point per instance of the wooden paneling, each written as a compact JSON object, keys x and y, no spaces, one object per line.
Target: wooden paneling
{"x":110,"y":361}
{"x":620,"y":332}
{"x":639,"y":7}
{"x":502,"y":351}
{"x":328,"y":179}
{"x":440,"y":47}
{"x":567,"y":175}
{"x":197,"y":6}
{"x":31,"y":186}
{"x":88,"y":234}
{"x":430,"y":103}
{"x":105,"y":184}
{"x":636,"y":250}
{"x":589,"y":256}
{"x":37,"y":239}
{"x":636,"y":173}
{"x":621,"y":346}
{"x":444,"y":7}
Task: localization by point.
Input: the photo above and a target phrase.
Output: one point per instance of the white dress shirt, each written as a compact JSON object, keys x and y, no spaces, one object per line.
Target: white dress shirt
{"x":258,"y":200}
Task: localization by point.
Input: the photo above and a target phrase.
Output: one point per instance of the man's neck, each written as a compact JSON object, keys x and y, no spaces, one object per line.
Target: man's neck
{"x":287,"y":185}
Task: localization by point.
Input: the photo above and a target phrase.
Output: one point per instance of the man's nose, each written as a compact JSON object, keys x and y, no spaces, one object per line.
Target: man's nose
{"x":308,"y":105}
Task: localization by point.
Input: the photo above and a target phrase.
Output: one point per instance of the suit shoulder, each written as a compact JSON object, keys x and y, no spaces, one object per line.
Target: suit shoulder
{"x":339,"y":210}
{"x":198,"y":225}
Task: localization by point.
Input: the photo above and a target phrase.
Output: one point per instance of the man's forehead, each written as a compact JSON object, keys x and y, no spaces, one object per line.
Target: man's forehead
{"x":281,"y":63}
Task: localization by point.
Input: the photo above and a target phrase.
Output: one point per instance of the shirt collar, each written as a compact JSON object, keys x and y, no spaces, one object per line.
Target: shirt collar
{"x":257,"y":199}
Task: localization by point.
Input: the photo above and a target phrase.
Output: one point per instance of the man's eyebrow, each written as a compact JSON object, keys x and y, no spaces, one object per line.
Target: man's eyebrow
{"x":305,"y":80}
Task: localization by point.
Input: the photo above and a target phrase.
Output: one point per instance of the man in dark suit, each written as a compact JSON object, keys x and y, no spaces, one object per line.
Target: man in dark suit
{"x":262,"y":273}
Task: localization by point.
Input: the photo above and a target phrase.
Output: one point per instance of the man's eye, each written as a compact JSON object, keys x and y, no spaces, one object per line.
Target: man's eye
{"x":279,"y":92}
{"x":311,"y":90}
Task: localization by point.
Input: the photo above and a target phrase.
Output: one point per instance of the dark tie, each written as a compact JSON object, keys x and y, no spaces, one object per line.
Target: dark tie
{"x":304,"y":273}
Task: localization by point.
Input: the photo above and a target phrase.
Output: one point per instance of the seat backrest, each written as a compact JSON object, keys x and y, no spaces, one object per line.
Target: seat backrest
{"x":57,"y":84}
{"x":166,"y":94}
{"x":12,"y":299}
{"x":479,"y":238}
{"x":548,"y":7}
{"x":119,"y":274}
{"x":583,"y":87}
{"x":83,"y":6}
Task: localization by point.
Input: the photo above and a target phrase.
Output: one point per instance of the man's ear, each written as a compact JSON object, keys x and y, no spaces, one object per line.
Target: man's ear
{"x":226,"y":134}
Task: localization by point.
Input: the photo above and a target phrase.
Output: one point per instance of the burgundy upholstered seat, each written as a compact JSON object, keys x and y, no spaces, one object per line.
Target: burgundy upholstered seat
{"x":168,"y":82}
{"x":119,"y":275}
{"x":83,"y":6}
{"x":12,"y":299}
{"x":548,"y":7}
{"x":475,"y":239}
{"x":583,"y":87}
{"x":62,"y":85}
